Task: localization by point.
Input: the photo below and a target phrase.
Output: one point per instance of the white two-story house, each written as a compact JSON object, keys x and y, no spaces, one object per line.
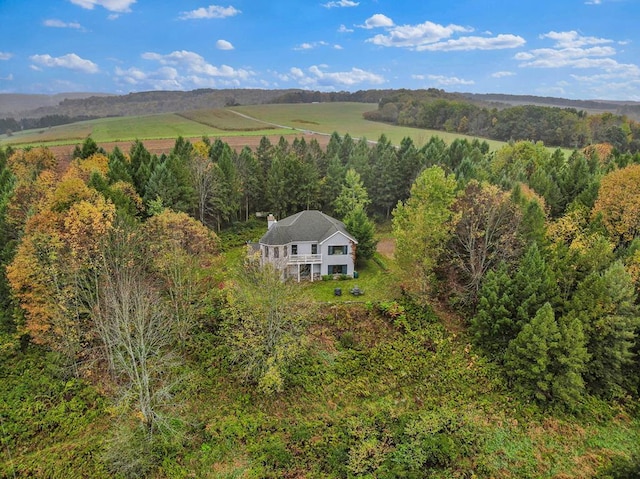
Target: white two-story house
{"x":308,"y":245}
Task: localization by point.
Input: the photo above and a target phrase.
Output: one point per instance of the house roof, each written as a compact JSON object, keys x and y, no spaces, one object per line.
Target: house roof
{"x":308,"y":225}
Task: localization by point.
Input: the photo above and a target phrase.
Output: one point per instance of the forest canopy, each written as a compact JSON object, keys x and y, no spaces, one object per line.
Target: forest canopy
{"x":165,"y":351}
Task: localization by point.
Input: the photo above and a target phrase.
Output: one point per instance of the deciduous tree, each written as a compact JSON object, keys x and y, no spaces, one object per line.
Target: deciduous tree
{"x":421,"y":226}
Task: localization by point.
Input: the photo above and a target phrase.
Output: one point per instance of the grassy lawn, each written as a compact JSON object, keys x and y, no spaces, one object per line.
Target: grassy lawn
{"x":377,"y":284}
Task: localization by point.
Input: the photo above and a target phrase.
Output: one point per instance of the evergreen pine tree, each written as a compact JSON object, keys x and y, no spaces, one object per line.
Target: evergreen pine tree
{"x":494,"y":326}
{"x":363,"y":230}
{"x":529,"y":358}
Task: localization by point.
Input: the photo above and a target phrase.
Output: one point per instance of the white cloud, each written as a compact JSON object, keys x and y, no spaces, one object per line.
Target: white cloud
{"x":311,"y":45}
{"x":9,"y":77}
{"x":566,"y":57}
{"x":449,"y":81}
{"x":224,"y":45}
{"x":165,"y":78}
{"x":5,"y":55}
{"x":502,"y":74}
{"x":337,"y":47}
{"x":412,"y":36}
{"x":594,"y":56}
{"x":573,"y":39}
{"x":60,"y":24}
{"x":469,"y":43}
{"x":70,"y":61}
{"x":212,"y":11}
{"x":341,"y":3}
{"x":377,"y":21}
{"x":121,"y":6}
{"x":349,"y":78}
{"x":344,"y":29}
{"x":194,"y":64}
{"x":429,"y":36}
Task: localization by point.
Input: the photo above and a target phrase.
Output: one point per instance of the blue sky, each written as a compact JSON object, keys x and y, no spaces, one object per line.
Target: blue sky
{"x":580,"y":49}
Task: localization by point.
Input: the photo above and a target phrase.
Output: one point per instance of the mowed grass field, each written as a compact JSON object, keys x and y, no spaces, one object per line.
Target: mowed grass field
{"x":259,"y":120}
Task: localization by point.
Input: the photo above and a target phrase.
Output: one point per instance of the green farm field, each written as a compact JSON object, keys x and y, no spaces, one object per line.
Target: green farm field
{"x":344,"y":118}
{"x":163,"y":126}
{"x":258,"y":121}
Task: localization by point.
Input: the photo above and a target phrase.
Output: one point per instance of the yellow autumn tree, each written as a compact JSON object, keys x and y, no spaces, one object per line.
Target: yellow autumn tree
{"x":618,"y":203}
{"x":181,"y":249}
{"x":47,"y":274}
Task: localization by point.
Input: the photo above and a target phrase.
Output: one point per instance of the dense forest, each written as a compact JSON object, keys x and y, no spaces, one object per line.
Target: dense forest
{"x":126,"y":335}
{"x":553,"y":125}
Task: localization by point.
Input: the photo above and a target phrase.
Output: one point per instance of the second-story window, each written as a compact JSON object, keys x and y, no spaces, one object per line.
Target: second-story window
{"x":314,"y":249}
{"x":294,"y":249}
{"x":276,"y":252}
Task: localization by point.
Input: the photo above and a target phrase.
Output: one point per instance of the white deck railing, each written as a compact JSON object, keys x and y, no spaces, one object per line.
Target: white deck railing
{"x":305,"y":259}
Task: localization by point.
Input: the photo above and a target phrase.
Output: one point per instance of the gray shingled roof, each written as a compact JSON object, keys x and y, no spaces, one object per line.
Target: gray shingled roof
{"x":309,"y":225}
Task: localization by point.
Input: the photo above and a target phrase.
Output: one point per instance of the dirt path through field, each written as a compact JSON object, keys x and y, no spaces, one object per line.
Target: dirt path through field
{"x":387,"y":247}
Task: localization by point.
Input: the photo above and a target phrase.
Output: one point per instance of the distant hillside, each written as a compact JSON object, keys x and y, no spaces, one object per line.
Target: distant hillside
{"x":154,"y":102}
{"x":629,"y":108}
{"x":16,"y":105}
{"x":85,"y":105}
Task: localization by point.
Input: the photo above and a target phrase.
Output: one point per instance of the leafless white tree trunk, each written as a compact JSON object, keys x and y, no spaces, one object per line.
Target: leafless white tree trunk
{"x":136,"y":330}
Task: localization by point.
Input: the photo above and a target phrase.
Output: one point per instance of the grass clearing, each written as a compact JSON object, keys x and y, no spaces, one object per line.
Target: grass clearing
{"x":345,"y":117}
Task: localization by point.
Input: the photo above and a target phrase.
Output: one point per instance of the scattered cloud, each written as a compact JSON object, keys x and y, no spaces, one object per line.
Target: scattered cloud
{"x":447,"y":81}
{"x":469,"y":43}
{"x":344,"y":29}
{"x":70,"y":61}
{"x":377,"y":21}
{"x":9,"y":77}
{"x":212,"y":11}
{"x":430,"y":36}
{"x":311,"y":45}
{"x":413,"y":36}
{"x":502,"y":74}
{"x":165,"y":78}
{"x":573,"y":39}
{"x":195,"y":67}
{"x":340,"y":4}
{"x":224,"y":45}
{"x":54,"y":23}
{"x":5,"y":55}
{"x":317,"y":77}
{"x":575,"y":51}
{"x":120,"y":6}
{"x":603,"y":74}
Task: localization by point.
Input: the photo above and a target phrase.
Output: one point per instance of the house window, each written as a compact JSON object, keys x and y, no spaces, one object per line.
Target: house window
{"x":314,"y":249}
{"x":337,"y":250}
{"x":266,"y":251}
{"x":294,"y":249}
{"x":285,"y":250}
{"x":276,"y":252}
{"x":338,"y":269}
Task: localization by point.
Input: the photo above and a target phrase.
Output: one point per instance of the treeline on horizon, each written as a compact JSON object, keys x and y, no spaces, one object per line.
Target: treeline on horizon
{"x":554,"y":126}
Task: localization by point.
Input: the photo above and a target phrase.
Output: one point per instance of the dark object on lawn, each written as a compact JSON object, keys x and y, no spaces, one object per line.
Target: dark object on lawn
{"x":337,"y":292}
{"x":356,"y":291}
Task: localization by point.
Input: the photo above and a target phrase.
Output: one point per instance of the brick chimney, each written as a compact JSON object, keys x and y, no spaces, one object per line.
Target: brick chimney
{"x":271,"y":220}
